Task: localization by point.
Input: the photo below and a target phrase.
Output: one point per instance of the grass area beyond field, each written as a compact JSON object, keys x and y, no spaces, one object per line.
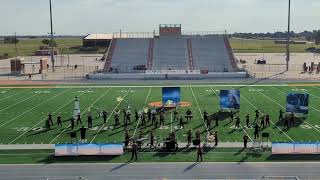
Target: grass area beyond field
{"x":266,"y":46}
{"x":23,"y":113}
{"x":27,"y":47}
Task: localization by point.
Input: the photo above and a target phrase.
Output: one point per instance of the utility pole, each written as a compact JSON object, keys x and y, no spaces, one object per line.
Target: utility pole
{"x":52,"y":44}
{"x":288,"y":36}
{"x":15,"y":44}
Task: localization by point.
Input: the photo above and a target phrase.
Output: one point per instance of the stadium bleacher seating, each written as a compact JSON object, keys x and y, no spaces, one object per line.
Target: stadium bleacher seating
{"x":130,"y":55}
{"x":204,"y":53}
{"x":170,"y":53}
{"x":210,"y":53}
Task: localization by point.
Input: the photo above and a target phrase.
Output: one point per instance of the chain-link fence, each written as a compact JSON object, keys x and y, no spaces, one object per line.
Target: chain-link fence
{"x":61,"y":73}
{"x":272,"y":67}
{"x":278,"y":71}
{"x":80,"y":72}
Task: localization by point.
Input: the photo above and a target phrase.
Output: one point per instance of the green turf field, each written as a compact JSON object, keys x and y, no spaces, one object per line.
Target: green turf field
{"x":24,"y":111}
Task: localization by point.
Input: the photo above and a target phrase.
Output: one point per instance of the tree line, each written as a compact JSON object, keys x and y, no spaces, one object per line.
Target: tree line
{"x":305,"y":35}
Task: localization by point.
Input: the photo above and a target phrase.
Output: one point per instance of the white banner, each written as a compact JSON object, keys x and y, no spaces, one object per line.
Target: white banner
{"x":173,"y":72}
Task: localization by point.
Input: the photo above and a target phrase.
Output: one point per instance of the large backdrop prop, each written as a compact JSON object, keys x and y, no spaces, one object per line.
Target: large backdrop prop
{"x":171,"y":96}
{"x":298,"y":103}
{"x":230,"y":99}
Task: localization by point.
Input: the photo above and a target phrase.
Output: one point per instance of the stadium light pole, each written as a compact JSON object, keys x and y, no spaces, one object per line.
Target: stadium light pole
{"x":52,"y":44}
{"x":288,"y":36}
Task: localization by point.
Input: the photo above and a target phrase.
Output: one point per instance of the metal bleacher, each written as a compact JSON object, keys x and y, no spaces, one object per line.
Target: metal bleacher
{"x":129,"y":54}
{"x":136,"y":55}
{"x":210,"y":53}
{"x":170,"y":53}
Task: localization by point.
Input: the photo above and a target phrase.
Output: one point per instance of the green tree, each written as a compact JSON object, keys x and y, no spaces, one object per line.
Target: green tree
{"x":48,"y":42}
{"x":317,"y":37}
{"x":10,"y":40}
{"x":5,"y":56}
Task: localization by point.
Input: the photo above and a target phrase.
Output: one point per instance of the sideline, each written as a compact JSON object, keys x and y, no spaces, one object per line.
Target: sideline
{"x":155,"y":86}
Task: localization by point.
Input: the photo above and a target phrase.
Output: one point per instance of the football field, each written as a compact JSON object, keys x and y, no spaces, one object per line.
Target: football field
{"x":23,"y":112}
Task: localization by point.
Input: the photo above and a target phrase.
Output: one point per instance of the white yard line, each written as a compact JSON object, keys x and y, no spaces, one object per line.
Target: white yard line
{"x":270,"y":120}
{"x":17,"y":103}
{"x":313,"y":94}
{"x":100,"y":97}
{"x":315,"y":87}
{"x":240,"y":124}
{"x":246,"y":133}
{"x":110,"y":115}
{"x":135,"y":130}
{"x":15,"y":94}
{"x":285,"y":108}
{"x":145,"y":103}
{"x":34,"y":107}
{"x":43,"y":120}
{"x":199,"y":109}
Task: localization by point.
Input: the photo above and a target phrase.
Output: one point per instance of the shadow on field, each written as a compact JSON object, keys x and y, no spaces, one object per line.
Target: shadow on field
{"x":211,"y":154}
{"x":198,"y":126}
{"x":183,"y":150}
{"x":52,"y":159}
{"x":190,"y":167}
{"x":43,"y":131}
{"x":239,"y":152}
{"x":297,"y":123}
{"x":221,"y":116}
{"x":232,"y":131}
{"x":248,"y":155}
{"x":120,"y":166}
{"x":114,"y":133}
{"x":37,"y":133}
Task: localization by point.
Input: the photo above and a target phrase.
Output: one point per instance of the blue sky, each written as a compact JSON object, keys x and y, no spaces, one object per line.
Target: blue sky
{"x":77,"y":17}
